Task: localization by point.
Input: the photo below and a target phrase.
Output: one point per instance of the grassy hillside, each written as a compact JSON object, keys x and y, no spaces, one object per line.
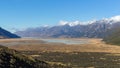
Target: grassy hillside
{"x":113,"y":36}
{"x":12,"y":59}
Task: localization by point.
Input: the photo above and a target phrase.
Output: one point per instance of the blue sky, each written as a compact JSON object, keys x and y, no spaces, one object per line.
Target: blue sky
{"x":20,"y":14}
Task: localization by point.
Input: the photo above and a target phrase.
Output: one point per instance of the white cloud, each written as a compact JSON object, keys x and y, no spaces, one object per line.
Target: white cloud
{"x":63,"y":22}
{"x":46,"y":26}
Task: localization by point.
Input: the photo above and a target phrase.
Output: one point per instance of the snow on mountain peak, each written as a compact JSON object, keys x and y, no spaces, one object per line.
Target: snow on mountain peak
{"x":69,"y":23}
{"x":115,"y":18}
{"x":74,"y":23}
{"x":111,"y":20}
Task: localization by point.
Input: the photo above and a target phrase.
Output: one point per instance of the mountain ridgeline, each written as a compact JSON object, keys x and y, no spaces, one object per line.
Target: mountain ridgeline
{"x":108,"y":29}
{"x":6,"y":34}
{"x":98,"y":29}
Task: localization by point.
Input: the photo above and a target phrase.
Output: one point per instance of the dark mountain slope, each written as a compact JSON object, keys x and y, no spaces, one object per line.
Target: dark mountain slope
{"x":7,"y":34}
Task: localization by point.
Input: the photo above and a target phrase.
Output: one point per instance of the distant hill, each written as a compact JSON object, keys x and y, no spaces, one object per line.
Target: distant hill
{"x":6,"y":34}
{"x":114,"y":36}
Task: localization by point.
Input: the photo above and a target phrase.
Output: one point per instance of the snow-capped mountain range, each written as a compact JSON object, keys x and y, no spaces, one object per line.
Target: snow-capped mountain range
{"x":94,"y":28}
{"x":105,"y":20}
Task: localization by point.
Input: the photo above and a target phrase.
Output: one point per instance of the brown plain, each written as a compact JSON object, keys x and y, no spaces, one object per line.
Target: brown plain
{"x":94,"y":45}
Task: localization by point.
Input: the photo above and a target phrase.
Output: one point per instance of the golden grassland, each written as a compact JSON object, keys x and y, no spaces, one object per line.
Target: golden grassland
{"x":94,"y":45}
{"x":95,"y":54}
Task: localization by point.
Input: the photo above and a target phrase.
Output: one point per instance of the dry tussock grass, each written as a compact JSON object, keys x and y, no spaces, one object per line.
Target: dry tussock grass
{"x":94,"y":45}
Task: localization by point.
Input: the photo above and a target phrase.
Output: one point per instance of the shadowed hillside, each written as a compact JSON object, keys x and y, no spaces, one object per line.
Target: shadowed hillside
{"x":7,"y":34}
{"x":113,"y":36}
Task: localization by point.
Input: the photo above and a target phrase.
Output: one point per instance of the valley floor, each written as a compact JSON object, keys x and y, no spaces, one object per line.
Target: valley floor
{"x":95,"y":54}
{"x":94,"y":45}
